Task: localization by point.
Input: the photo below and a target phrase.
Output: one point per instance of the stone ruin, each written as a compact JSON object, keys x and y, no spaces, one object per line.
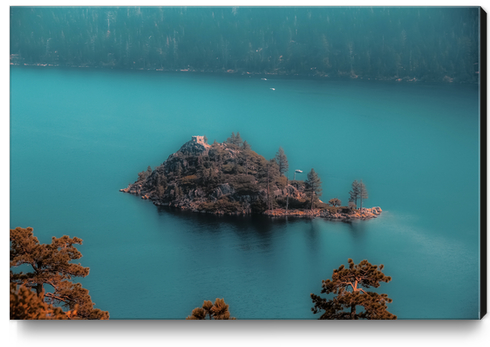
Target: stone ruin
{"x":198,"y":139}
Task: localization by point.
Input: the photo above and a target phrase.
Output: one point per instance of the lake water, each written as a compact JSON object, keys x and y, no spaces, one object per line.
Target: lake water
{"x":79,"y":135}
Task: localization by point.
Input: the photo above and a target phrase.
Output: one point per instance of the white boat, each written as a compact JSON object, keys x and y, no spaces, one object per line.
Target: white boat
{"x":273,"y":88}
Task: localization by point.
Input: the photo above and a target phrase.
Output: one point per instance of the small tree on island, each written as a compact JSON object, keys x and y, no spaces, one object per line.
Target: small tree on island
{"x":50,"y":265}
{"x":335,"y":202}
{"x":246,"y":146}
{"x":238,"y":140}
{"x":347,"y":284}
{"x":363,"y":194}
{"x":282,"y":161}
{"x":235,"y":139}
{"x":313,"y":186}
{"x":217,"y":311}
{"x":354,"y":193}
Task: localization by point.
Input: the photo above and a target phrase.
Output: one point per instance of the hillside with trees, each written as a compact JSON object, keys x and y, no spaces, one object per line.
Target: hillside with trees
{"x":231,"y":178}
{"x":384,"y":43}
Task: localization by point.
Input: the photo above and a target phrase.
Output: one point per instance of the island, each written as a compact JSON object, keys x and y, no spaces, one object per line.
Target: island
{"x":230,"y":178}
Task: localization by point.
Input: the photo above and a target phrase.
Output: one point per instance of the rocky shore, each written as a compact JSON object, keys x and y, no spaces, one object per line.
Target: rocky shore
{"x":446,"y":79}
{"x":366,"y":213}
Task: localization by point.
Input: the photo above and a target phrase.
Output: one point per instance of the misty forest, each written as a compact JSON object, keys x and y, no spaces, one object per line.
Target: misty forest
{"x":431,"y":44}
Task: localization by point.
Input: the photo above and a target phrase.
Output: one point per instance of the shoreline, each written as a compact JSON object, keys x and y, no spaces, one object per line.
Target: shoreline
{"x":342,"y":215}
{"x":321,"y":76}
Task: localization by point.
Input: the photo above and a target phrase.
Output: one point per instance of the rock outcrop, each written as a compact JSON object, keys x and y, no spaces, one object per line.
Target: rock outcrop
{"x":230,"y":178}
{"x":340,"y":214}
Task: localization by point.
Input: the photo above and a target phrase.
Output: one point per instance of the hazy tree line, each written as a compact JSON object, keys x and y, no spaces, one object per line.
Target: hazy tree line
{"x":422,"y":43}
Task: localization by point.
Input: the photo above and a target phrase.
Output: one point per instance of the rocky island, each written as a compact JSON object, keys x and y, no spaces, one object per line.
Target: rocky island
{"x":230,"y":178}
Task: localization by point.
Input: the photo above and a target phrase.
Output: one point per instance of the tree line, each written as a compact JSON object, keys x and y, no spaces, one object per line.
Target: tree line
{"x":313,"y":185}
{"x":370,"y":42}
{"x":51,"y":268}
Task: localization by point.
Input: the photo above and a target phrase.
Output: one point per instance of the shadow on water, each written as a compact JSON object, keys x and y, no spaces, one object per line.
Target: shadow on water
{"x":357,"y":229}
{"x":212,"y":222}
{"x":253,"y":231}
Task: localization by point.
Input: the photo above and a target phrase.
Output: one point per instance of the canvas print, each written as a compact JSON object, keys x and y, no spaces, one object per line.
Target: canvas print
{"x":237,"y":163}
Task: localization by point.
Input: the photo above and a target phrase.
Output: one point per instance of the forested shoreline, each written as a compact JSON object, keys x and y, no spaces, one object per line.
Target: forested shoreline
{"x":417,"y":44}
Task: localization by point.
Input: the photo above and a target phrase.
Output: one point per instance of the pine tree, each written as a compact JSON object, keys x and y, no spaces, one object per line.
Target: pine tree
{"x":141,"y":176}
{"x":363,"y":194}
{"x":246,"y":146}
{"x":148,"y":171}
{"x":348,"y":284}
{"x":282,"y":161}
{"x":354,"y":193}
{"x":313,"y":185}
{"x":231,"y":139}
{"x":26,"y":305}
{"x":50,"y":265}
{"x":238,"y":140}
{"x":217,"y":311}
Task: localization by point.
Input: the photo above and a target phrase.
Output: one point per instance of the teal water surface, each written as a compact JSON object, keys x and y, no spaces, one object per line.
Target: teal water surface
{"x":79,"y":135}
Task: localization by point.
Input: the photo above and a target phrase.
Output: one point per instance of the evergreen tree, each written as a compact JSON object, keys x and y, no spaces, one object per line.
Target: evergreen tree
{"x":231,"y":139}
{"x":26,"y":305}
{"x":238,"y":140}
{"x":142,"y":176}
{"x":282,"y":161}
{"x":363,"y":194}
{"x":348,"y":284}
{"x":246,"y":146}
{"x":217,"y":311}
{"x":313,"y":185}
{"x":148,"y":171}
{"x":354,"y":193}
{"x":50,"y":265}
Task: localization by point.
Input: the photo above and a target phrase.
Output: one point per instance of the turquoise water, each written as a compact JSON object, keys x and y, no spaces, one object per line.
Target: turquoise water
{"x":78,"y":136}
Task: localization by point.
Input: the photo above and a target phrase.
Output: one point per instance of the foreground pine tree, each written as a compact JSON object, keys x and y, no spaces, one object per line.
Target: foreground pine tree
{"x":48,"y":278}
{"x":217,"y":311}
{"x":347,"y":284}
{"x":25,"y":304}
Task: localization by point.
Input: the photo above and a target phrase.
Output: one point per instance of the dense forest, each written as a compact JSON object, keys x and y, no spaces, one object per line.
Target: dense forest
{"x":433,"y":44}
